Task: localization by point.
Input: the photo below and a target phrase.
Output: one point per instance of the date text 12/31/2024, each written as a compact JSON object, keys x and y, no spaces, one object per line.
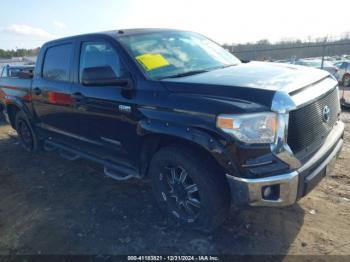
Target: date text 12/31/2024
{"x":173,"y":258}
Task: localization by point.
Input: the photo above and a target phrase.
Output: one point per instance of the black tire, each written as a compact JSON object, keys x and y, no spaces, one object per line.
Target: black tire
{"x":202,"y":174}
{"x":26,"y":133}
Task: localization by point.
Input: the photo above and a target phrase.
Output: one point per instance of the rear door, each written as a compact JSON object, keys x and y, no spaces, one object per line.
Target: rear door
{"x":51,"y":89}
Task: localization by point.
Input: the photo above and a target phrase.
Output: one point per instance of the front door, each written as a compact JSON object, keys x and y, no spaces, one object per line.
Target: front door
{"x":106,"y":114}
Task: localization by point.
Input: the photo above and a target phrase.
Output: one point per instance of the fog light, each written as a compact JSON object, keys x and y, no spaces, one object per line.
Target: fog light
{"x":271,"y":192}
{"x":267,"y":192}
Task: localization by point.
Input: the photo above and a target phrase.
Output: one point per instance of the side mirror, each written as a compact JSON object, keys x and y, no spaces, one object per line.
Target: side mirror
{"x":104,"y":76}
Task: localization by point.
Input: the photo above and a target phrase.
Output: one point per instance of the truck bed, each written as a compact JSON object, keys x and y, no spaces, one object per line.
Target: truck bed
{"x":14,"y":88}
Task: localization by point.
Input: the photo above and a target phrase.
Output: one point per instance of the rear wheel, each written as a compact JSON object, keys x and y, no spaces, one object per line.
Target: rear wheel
{"x":189,"y":187}
{"x":26,"y":133}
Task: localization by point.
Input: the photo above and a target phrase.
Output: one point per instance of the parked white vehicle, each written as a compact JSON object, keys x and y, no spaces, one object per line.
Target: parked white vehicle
{"x":343,"y":74}
{"x":317,"y":63}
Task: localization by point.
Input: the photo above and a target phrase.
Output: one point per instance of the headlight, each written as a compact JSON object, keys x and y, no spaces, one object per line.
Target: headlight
{"x":254,"y":128}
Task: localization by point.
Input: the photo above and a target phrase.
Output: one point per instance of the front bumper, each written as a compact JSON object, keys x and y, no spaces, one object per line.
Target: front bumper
{"x":286,"y":189}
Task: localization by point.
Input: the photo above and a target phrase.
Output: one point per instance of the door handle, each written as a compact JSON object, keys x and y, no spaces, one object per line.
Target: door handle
{"x":37,"y":91}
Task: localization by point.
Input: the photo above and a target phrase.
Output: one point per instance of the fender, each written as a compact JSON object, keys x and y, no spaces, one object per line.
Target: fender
{"x":192,"y":135}
{"x":16,"y":92}
{"x":19,"y":103}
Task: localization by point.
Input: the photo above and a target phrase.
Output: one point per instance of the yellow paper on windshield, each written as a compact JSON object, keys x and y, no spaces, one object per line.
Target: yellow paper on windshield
{"x":152,"y":61}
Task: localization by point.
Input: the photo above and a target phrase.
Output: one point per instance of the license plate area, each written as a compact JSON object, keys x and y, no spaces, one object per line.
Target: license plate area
{"x":312,"y":181}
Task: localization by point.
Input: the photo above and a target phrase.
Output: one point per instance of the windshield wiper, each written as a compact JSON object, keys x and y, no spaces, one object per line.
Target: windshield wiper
{"x":189,"y":73}
{"x":195,"y":72}
{"x":221,"y":67}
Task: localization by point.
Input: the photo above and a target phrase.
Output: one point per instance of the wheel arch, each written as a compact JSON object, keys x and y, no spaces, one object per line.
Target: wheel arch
{"x":12,"y":110}
{"x":14,"y":106}
{"x":155,"y":136}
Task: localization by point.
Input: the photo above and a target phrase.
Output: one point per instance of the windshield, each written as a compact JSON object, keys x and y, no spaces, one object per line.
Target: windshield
{"x":176,"y":54}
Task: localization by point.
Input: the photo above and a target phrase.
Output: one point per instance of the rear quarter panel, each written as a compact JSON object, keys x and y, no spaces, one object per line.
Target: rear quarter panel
{"x":17,"y":92}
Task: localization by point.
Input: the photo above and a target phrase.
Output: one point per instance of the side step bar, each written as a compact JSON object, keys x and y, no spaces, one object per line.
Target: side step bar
{"x":117,"y":175}
{"x":115,"y":171}
{"x":68,"y":155}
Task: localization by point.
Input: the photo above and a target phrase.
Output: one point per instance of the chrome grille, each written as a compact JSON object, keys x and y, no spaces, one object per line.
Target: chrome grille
{"x":307,"y":125}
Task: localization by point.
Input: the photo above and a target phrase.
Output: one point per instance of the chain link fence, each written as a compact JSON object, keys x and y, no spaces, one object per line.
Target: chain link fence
{"x":333,"y":56}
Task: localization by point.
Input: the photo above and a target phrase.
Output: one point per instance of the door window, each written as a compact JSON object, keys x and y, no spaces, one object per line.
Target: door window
{"x":57,"y":62}
{"x":99,"y":54}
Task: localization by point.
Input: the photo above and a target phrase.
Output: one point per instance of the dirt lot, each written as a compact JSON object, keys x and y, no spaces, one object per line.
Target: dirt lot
{"x":49,"y":205}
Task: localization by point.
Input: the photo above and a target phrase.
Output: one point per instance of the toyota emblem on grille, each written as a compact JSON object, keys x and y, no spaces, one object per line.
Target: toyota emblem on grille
{"x":326,"y":114}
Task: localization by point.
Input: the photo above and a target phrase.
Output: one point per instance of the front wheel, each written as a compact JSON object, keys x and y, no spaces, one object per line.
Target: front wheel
{"x":26,"y":133}
{"x":189,"y":187}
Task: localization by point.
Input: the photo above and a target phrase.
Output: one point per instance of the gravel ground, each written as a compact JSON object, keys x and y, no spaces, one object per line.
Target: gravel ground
{"x":49,"y":205}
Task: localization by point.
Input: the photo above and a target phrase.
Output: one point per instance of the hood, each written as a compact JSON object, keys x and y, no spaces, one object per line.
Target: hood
{"x":258,"y":75}
{"x":254,"y":82}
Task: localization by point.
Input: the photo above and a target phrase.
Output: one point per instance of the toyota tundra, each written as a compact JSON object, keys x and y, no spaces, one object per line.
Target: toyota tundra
{"x":206,"y":130}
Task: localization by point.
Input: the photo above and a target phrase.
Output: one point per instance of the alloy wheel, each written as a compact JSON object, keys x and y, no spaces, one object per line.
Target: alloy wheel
{"x":180,"y":192}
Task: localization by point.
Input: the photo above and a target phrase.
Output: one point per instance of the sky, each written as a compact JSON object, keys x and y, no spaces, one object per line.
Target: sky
{"x":28,"y":24}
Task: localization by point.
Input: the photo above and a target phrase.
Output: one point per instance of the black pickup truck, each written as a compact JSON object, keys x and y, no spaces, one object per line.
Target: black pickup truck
{"x":173,"y":106}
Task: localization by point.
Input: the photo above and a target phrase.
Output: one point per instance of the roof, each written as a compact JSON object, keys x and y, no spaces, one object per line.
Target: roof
{"x":119,"y":33}
{"x":135,"y":31}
